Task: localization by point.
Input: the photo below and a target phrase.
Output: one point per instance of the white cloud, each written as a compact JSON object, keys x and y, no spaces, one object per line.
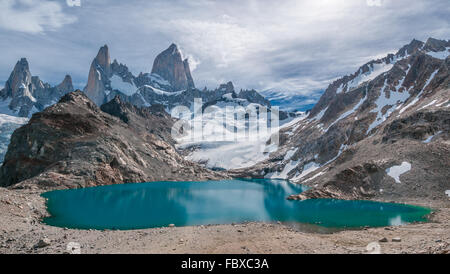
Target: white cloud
{"x":32,"y":16}
{"x":193,"y":62}
{"x":374,"y":3}
{"x":223,"y":42}
{"x":73,"y":3}
{"x":289,"y":45}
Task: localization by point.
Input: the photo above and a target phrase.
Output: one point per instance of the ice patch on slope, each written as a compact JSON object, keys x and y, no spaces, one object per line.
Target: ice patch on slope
{"x":8,"y":124}
{"x":396,"y":97}
{"x":429,"y":104}
{"x":307,"y":169}
{"x":349,"y":112}
{"x":440,"y":54}
{"x":118,"y":84}
{"x":374,"y":71}
{"x":396,"y":171}
{"x":284,"y":173}
{"x":413,"y":102}
{"x":429,"y":139}
{"x":319,"y":115}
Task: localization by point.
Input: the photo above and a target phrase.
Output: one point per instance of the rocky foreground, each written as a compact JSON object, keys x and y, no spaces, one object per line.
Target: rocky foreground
{"x":21,"y":231}
{"x":76,"y":144}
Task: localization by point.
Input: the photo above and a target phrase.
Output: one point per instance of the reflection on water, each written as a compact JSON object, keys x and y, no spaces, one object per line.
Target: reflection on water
{"x":156,"y":204}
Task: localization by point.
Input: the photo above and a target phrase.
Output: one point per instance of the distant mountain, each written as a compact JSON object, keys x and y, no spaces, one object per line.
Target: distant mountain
{"x":25,"y":94}
{"x":76,"y":144}
{"x":170,"y":83}
{"x":382,"y":131}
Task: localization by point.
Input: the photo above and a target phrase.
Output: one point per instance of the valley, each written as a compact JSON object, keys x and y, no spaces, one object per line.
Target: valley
{"x":380,"y":134}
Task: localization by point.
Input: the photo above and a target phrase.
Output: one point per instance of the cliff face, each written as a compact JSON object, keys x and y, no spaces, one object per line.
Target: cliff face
{"x":99,"y":73}
{"x":75,"y":144}
{"x":170,"y":66}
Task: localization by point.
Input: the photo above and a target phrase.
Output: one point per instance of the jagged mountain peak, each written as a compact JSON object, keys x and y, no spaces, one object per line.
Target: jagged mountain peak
{"x":410,"y":48}
{"x":170,"y":65}
{"x":26,"y":94}
{"x":22,"y":63}
{"x":436,"y":45}
{"x":103,"y":58}
{"x":66,"y":85}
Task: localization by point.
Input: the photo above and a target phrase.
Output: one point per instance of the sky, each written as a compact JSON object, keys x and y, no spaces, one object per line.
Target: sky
{"x":294,"y":46}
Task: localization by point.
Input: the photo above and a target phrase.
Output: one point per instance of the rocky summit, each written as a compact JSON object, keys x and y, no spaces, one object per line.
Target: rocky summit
{"x":25,"y":94}
{"x":169,"y":84}
{"x":382,"y":132}
{"x":170,"y":66}
{"x":74,"y":143}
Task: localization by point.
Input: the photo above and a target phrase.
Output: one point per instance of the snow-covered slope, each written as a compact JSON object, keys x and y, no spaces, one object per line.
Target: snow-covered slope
{"x":8,"y":124}
{"x":221,"y":140}
{"x":391,"y":111}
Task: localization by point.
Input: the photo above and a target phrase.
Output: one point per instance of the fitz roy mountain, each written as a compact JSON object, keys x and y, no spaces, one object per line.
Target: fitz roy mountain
{"x":382,"y":132}
{"x":170,"y":83}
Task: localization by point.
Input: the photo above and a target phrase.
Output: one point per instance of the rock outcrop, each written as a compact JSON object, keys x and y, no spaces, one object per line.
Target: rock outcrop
{"x":75,"y":144}
{"x":170,"y":66}
{"x":26,"y":94}
{"x":98,"y":74}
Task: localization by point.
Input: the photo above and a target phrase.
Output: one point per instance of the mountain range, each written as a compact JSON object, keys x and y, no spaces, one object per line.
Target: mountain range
{"x":382,"y":131}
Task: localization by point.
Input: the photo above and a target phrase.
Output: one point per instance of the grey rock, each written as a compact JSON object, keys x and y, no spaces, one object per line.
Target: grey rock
{"x":44,"y":242}
{"x":27,"y":93}
{"x":75,"y":144}
{"x":170,"y":66}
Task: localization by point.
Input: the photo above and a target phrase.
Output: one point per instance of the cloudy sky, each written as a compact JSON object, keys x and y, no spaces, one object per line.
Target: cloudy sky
{"x":297,"y":46}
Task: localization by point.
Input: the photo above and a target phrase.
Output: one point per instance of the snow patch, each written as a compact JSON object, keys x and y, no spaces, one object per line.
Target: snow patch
{"x":349,"y":112}
{"x":307,"y":169}
{"x":319,"y":115}
{"x":427,"y":105}
{"x":431,"y":137}
{"x":118,"y":84}
{"x":440,"y":54}
{"x":413,"y":102}
{"x":284,"y":173}
{"x":289,"y":154}
{"x":396,"y":171}
{"x":374,"y":71}
{"x":382,"y":101}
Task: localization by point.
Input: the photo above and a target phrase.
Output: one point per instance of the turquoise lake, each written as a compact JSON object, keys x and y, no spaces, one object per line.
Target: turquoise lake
{"x":157,"y":204}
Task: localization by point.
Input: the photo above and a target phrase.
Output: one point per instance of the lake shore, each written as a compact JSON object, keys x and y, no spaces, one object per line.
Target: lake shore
{"x":22,"y":232}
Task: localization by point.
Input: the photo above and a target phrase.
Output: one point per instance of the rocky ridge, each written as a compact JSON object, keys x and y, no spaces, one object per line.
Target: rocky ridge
{"x":75,"y":144}
{"x":170,"y":83}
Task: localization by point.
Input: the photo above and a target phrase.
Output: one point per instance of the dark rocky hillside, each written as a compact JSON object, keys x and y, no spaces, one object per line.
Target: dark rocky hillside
{"x":75,"y":144}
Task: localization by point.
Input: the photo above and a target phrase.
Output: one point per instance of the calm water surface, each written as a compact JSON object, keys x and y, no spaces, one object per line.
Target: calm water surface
{"x":157,"y":204}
